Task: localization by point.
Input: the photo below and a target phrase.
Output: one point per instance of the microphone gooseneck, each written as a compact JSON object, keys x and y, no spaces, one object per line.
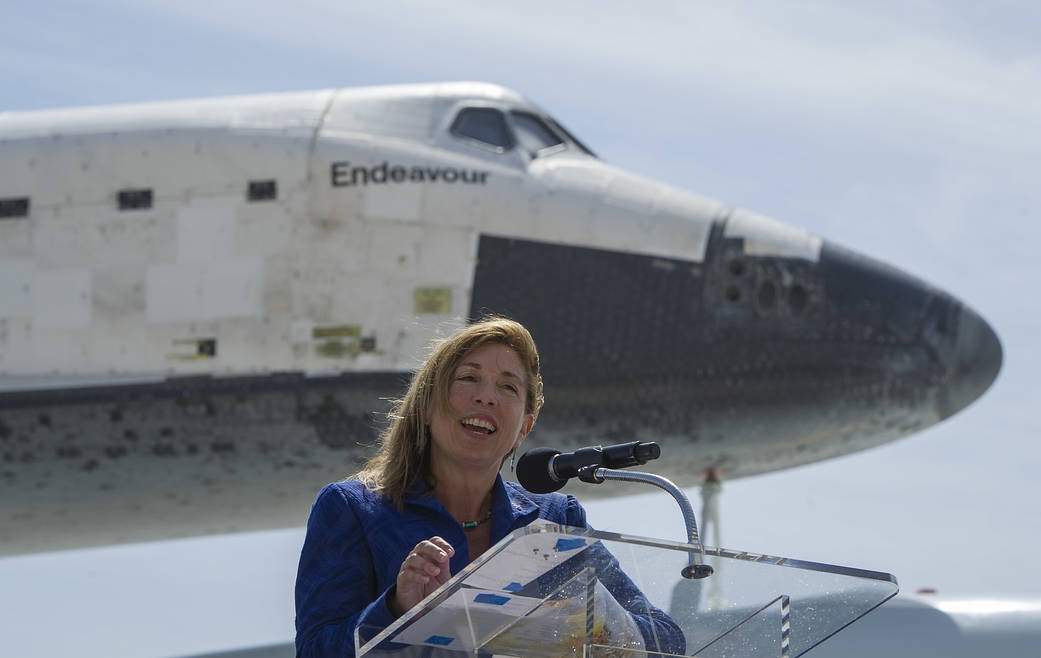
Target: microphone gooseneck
{"x":545,"y":470}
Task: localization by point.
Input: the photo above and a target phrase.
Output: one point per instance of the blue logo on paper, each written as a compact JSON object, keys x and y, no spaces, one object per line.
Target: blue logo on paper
{"x":439,"y":640}
{"x":491,"y":599}
{"x":569,"y":544}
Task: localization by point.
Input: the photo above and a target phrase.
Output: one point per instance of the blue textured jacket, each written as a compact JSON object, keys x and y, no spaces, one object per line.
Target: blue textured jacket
{"x":356,"y":542}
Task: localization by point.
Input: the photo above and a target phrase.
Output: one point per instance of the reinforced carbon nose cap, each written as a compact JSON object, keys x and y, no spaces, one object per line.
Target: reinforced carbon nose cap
{"x":940,"y":352}
{"x":975,"y":362}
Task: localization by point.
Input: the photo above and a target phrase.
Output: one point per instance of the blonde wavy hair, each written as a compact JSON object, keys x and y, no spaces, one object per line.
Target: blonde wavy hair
{"x":405,"y":444}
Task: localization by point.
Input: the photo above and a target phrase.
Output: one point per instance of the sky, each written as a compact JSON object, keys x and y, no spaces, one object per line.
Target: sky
{"x":907,"y":130}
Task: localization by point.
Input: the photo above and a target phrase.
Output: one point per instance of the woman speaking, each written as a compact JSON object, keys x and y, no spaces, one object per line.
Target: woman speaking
{"x":432,"y":500}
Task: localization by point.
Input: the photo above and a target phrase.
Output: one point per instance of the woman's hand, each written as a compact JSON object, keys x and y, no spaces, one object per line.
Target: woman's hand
{"x":424,"y":570}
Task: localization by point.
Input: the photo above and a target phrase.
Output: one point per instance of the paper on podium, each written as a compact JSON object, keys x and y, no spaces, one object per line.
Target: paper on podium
{"x":470,"y":615}
{"x":508,"y":624}
{"x":521,"y":563}
{"x":466,"y":618}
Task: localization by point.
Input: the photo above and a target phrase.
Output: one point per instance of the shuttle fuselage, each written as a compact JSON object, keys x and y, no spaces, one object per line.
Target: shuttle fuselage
{"x":204,"y":306}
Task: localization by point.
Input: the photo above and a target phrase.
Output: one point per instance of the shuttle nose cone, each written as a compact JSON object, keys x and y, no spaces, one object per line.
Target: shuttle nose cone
{"x":974,"y":362}
{"x":934,"y":351}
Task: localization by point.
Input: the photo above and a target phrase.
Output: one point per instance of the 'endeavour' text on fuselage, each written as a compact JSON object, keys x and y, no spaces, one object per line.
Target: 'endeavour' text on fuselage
{"x":344,"y":175}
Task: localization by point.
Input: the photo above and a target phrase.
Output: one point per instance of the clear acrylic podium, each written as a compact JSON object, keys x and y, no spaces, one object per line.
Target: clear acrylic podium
{"x":552,"y":590}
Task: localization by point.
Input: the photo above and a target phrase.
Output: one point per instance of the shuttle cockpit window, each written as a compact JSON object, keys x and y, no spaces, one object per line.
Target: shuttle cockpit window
{"x":571,"y":138}
{"x":534,"y":136}
{"x":485,"y":126}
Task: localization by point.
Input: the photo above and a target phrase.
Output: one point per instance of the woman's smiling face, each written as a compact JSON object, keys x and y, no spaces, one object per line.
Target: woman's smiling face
{"x":486,"y":417}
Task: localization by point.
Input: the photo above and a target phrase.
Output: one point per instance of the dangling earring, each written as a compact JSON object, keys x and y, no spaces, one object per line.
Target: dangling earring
{"x":513,"y":458}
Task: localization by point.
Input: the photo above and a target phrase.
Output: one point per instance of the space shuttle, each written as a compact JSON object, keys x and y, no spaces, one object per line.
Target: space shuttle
{"x":206,"y":304}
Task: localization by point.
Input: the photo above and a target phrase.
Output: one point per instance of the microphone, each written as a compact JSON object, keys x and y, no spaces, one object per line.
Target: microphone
{"x":545,"y":470}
